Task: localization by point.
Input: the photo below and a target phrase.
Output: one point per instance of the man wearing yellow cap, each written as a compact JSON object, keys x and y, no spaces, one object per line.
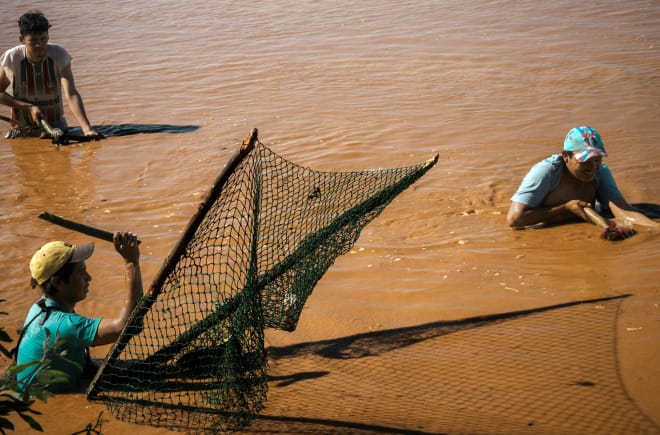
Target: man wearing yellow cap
{"x":59,"y":269}
{"x":563,"y":185}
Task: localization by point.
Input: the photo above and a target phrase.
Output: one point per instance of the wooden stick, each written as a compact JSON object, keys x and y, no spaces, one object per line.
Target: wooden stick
{"x":59,"y":138}
{"x":75,"y":226}
{"x":144,"y":305}
{"x":596,"y":218}
{"x":11,"y":121}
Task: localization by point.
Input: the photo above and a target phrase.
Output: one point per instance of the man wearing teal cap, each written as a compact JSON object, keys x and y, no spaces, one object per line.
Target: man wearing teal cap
{"x":563,"y":185}
{"x":59,"y":269}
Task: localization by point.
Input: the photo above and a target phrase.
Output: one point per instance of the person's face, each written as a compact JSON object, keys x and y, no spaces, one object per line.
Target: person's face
{"x":583,"y":171}
{"x":77,"y":287}
{"x":36,"y":45}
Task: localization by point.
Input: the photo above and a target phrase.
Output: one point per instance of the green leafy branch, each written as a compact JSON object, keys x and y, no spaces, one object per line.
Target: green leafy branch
{"x":17,"y":397}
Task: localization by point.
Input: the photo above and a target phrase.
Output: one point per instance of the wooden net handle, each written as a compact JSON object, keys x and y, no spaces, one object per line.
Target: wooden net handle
{"x":75,"y":226}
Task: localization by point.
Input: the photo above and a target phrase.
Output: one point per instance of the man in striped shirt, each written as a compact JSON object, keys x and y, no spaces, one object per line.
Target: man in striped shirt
{"x":34,"y":77}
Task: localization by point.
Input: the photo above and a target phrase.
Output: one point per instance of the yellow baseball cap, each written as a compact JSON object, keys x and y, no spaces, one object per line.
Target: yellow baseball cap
{"x":53,"y":255}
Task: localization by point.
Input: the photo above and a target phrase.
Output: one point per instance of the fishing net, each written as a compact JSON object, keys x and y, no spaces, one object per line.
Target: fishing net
{"x":546,"y":370}
{"x":192,"y":356}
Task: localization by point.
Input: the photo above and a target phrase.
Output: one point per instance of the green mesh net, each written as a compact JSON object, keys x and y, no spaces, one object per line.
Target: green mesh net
{"x":192,"y":357}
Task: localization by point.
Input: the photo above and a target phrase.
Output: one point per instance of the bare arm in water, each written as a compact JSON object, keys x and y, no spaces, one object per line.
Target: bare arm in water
{"x":521,"y":215}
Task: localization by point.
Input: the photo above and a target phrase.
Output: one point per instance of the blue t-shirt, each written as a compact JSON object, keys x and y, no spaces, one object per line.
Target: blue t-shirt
{"x":78,"y":332}
{"x":544,"y":177}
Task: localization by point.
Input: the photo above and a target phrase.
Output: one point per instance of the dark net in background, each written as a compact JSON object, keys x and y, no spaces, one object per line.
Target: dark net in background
{"x":192,"y":357}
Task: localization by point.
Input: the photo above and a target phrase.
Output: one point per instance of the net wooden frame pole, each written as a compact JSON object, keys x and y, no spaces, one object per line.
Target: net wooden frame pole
{"x":170,"y":262}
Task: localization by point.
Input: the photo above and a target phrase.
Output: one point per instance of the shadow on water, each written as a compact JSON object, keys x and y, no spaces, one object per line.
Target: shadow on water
{"x":292,"y":371}
{"x":162,"y":375}
{"x":129,"y":129}
{"x":377,"y":343}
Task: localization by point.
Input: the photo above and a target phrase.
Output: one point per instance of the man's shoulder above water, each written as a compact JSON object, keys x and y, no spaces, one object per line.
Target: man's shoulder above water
{"x":18,"y":53}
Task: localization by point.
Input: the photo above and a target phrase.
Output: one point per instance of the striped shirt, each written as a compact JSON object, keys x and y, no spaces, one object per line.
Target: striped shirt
{"x":37,"y":84}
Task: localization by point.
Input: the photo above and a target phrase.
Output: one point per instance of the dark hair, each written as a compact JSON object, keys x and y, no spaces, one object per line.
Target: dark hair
{"x":64,"y":273}
{"x":33,"y":22}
